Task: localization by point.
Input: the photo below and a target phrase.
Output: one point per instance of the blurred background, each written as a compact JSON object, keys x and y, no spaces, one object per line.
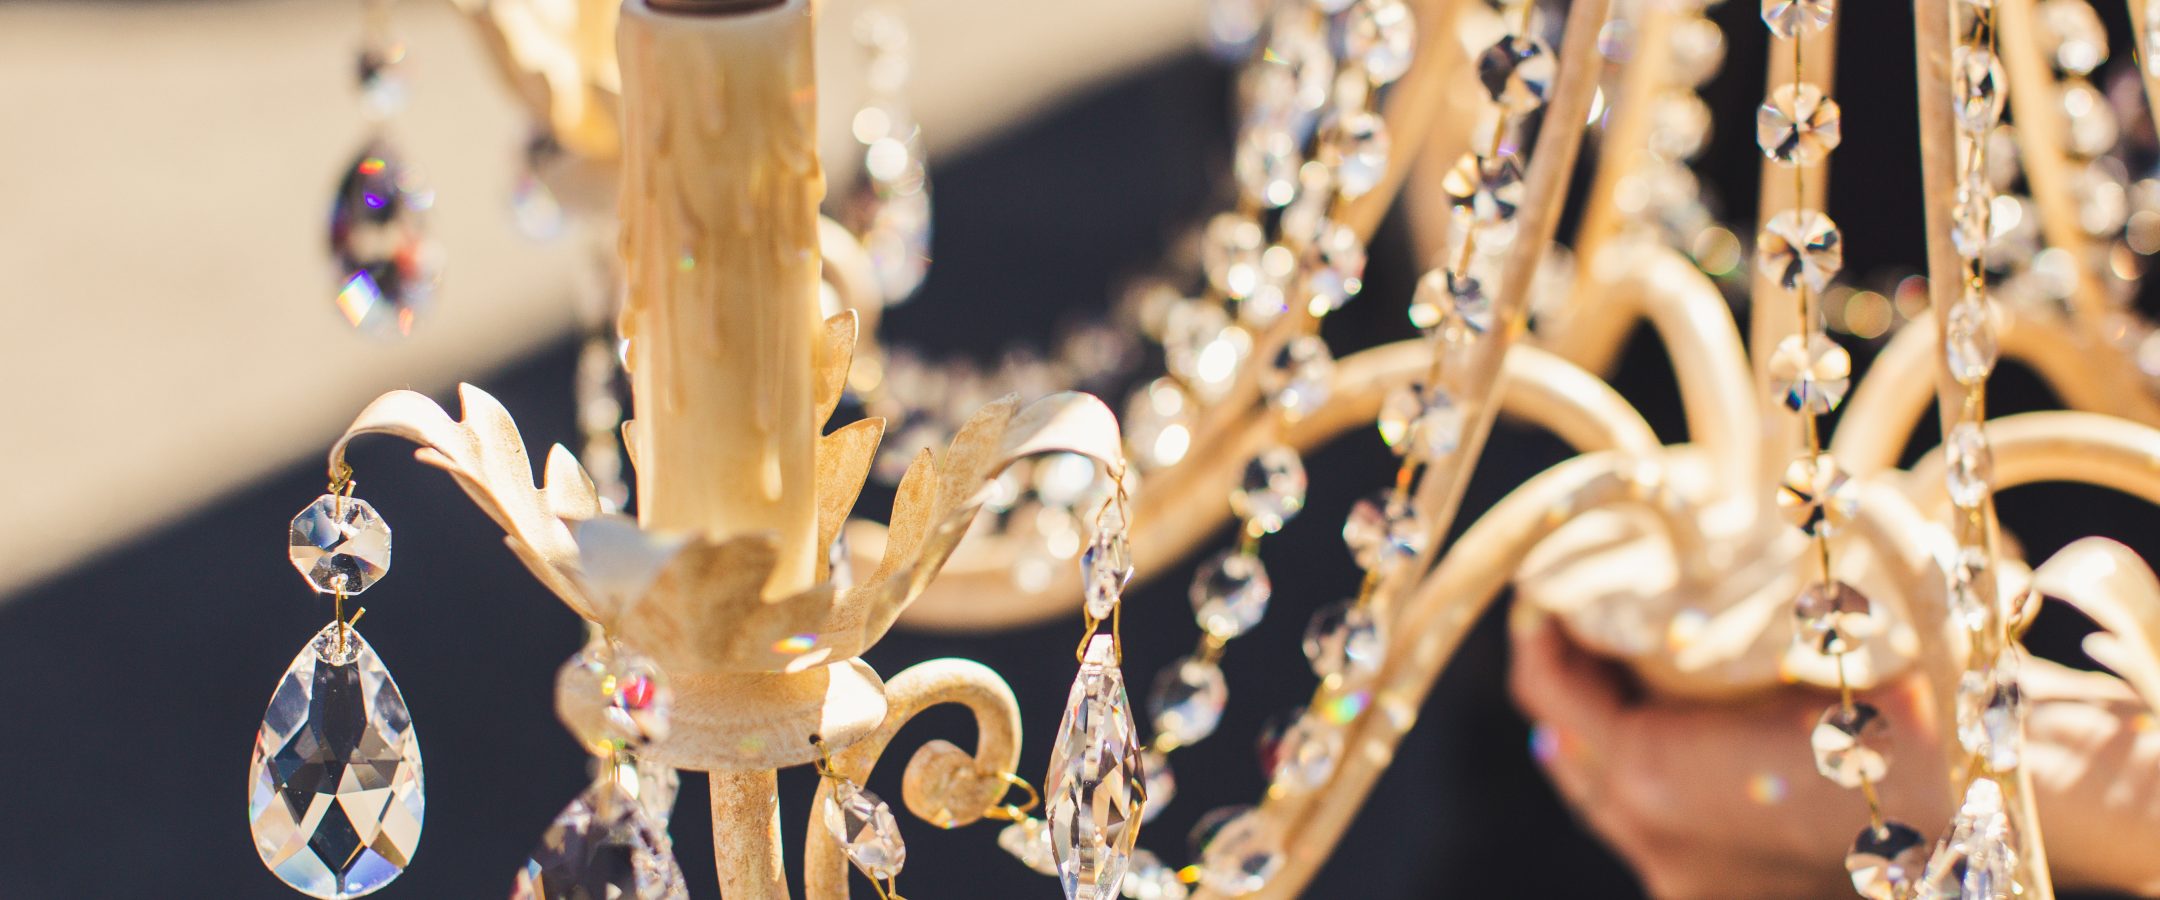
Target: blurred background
{"x":179,"y":369}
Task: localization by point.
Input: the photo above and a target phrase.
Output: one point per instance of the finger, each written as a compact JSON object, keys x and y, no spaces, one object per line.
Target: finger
{"x":1556,"y":683}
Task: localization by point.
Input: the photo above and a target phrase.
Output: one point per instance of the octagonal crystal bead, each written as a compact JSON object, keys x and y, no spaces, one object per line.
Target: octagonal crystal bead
{"x":1356,"y":146}
{"x":1422,"y":422}
{"x":1149,"y":879}
{"x":1382,"y":531}
{"x":1849,"y":744}
{"x":1976,"y":83}
{"x":1028,"y":840}
{"x":1798,"y":126}
{"x":1991,"y":713}
{"x":865,"y":827}
{"x":1161,"y":783}
{"x":1335,"y":271}
{"x":1240,"y":853}
{"x":1833,"y":617}
{"x":1969,"y":340}
{"x":2072,"y":36}
{"x":1800,"y":246}
{"x":1105,"y":568}
{"x":1230,"y":253}
{"x":1230,"y":593}
{"x":339,"y":544}
{"x":1381,"y":37}
{"x":612,"y":697}
{"x":1811,"y":374}
{"x":1266,"y":164}
{"x":1489,"y":187}
{"x":1456,"y":303}
{"x":1815,"y":495}
{"x":1273,"y":489}
{"x":1517,"y":72}
{"x":1187,"y":702}
{"x":1968,"y":464}
{"x":1792,"y":18}
{"x":1300,"y":376}
{"x":1971,"y":219}
{"x":1158,"y":423}
{"x":1344,"y":639}
{"x":1305,"y":757}
{"x":1885,"y":862}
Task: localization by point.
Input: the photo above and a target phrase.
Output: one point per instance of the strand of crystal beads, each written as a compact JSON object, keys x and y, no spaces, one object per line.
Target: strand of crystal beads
{"x":888,"y":209}
{"x":1800,"y":249}
{"x":386,"y":263}
{"x":1978,"y":856}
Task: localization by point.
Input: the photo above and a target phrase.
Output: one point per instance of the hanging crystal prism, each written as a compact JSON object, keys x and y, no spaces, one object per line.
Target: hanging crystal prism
{"x":336,"y":795}
{"x":604,"y":844}
{"x":865,"y":827}
{"x":1096,"y":790}
{"x":387,"y":264}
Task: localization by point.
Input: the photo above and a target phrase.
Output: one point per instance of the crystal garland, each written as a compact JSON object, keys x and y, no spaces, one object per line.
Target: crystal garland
{"x":1977,"y":858}
{"x":386,"y":263}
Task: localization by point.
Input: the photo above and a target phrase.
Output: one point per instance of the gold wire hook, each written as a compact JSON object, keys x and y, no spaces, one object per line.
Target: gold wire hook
{"x":1014,"y":812}
{"x":824,"y":764}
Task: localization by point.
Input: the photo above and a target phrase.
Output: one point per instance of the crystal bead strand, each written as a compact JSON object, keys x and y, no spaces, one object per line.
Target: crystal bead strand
{"x":387,"y":265}
{"x":1977,"y":857}
{"x":1800,"y":249}
{"x":889,"y":208}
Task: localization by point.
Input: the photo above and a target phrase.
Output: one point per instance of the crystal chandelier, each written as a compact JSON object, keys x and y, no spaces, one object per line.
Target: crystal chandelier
{"x":1765,"y":549}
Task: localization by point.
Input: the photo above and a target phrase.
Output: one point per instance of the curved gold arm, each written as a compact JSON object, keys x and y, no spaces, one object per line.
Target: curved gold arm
{"x":945,"y":786}
{"x":2079,"y":447}
{"x":976,"y":591}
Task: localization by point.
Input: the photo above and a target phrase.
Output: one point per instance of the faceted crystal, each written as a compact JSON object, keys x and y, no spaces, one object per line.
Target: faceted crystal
{"x":1849,"y":745}
{"x":1968,"y":464}
{"x":2093,"y":126}
{"x":1159,"y":423}
{"x":1969,"y":593}
{"x":1518,"y":73}
{"x":1300,"y":377}
{"x":1833,"y":617}
{"x":865,"y":828}
{"x":1991,"y":713}
{"x":1240,"y":854}
{"x":1969,"y":341}
{"x":1028,"y":840}
{"x":612,"y":697}
{"x":1230,"y":593}
{"x":1105,"y":568}
{"x":1295,"y":43}
{"x":1380,"y":36}
{"x":1885,"y":862}
{"x":1346,"y":640}
{"x":1096,"y":789}
{"x":2071,"y":34}
{"x":1800,"y":246}
{"x":1696,"y":48}
{"x":1336,"y":270}
{"x":1978,"y":859}
{"x":1798,"y":126}
{"x":654,"y":785}
{"x":1792,"y":18}
{"x":339,"y":544}
{"x":1149,"y":879}
{"x":1976,"y":81}
{"x":387,"y":265}
{"x":1161,"y":783}
{"x":382,"y":88}
{"x":1187,"y":702}
{"x":1423,"y":422}
{"x":1811,"y":374}
{"x":1458,"y":304}
{"x":1490,"y":188}
{"x":1382,"y":531}
{"x":1971,"y":213}
{"x":1679,"y":126}
{"x":1230,"y":252}
{"x":602,"y":845}
{"x":1273,"y":490}
{"x":1306,"y":756}
{"x":336,"y":798}
{"x":1266,"y":164}
{"x":1356,"y":147}
{"x":897,"y":238}
{"x":1203,"y":348}
{"x":1815,"y":495}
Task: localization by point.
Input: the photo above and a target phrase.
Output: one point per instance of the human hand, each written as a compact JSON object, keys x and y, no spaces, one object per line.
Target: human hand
{"x":1722,"y":799}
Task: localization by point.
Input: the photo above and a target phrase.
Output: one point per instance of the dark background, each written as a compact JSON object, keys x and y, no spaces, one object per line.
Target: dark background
{"x":132,"y":685}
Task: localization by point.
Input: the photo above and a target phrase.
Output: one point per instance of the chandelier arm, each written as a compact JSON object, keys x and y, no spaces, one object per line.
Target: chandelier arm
{"x":2056,"y":446}
{"x":1886,"y":407}
{"x":2115,"y":587}
{"x":944,"y":785}
{"x":1427,"y":625}
{"x":1545,"y":186}
{"x":1709,"y":363}
{"x":1590,"y":326}
{"x":1771,"y":314}
{"x":976,"y":592}
{"x":2147,"y":65}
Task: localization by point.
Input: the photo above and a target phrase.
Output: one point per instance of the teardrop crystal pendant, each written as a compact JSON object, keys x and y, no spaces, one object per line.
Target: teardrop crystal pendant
{"x":604,"y":844}
{"x":1096,"y":788}
{"x":335,"y":796}
{"x":387,"y":264}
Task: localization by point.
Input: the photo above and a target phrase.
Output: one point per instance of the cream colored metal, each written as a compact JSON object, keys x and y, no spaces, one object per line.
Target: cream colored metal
{"x":1667,"y":556}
